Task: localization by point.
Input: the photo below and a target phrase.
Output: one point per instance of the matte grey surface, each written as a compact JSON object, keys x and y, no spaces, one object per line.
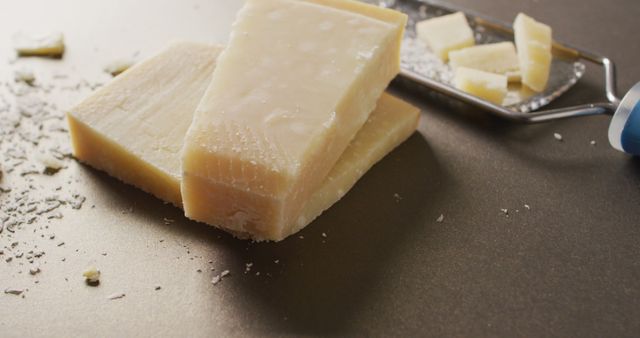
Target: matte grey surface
{"x":568,"y":266}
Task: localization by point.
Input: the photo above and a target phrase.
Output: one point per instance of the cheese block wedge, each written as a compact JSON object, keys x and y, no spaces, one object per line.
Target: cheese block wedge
{"x":533,"y":40}
{"x":489,"y":86}
{"x":296,"y":82}
{"x":133,"y":127}
{"x":98,"y":132}
{"x":500,"y":58}
{"x":446,"y":33}
{"x":391,"y":123}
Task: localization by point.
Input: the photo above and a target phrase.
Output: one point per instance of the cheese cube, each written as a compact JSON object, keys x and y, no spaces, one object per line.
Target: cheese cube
{"x":296,"y":82}
{"x":91,"y":274}
{"x":514,"y":76}
{"x":133,"y":127}
{"x":500,"y":58}
{"x":51,"y":44}
{"x":533,"y":40}
{"x":489,"y":86}
{"x":446,"y":33}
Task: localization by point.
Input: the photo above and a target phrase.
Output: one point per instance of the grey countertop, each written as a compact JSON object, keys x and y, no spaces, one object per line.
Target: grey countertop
{"x":568,"y":265}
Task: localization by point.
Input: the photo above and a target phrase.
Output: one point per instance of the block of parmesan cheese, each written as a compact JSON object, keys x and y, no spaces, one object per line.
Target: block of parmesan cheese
{"x":489,"y":86}
{"x":101,"y":141}
{"x":446,"y":33}
{"x":500,"y":58}
{"x":295,"y":84}
{"x":133,"y":127}
{"x":533,"y":40}
{"x":391,"y":123}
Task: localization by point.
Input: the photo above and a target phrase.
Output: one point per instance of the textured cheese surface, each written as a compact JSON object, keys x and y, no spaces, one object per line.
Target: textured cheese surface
{"x":500,"y":58}
{"x":489,"y":86}
{"x":533,"y":40}
{"x":51,"y":44}
{"x":133,"y":127}
{"x":446,"y":33}
{"x":296,"y":82}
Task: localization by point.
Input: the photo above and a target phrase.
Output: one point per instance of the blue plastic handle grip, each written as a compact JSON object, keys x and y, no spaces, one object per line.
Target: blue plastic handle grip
{"x":624,"y":130}
{"x":631,"y":133}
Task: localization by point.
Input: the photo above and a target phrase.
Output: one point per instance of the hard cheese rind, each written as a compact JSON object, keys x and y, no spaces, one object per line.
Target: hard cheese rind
{"x":296,"y":82}
{"x":134,"y":126}
{"x":489,"y":86}
{"x":533,"y":40}
{"x":446,"y":33}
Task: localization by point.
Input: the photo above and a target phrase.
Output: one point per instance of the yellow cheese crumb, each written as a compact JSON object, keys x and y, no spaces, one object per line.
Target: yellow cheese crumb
{"x":91,"y":274}
{"x":51,"y":44}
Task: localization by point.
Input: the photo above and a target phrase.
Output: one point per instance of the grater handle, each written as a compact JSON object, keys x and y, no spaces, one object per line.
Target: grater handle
{"x":624,"y":130}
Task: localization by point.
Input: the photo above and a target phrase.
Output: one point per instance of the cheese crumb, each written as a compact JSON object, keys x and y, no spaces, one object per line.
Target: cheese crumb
{"x":440,"y":218}
{"x":51,"y":44}
{"x":557,"y":136}
{"x":92,"y":275}
{"x":50,"y":163}
{"x":24,"y":75}
{"x":218,"y":278}
{"x":118,"y":66}
{"x":117,"y":295}
{"x":12,"y":291}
